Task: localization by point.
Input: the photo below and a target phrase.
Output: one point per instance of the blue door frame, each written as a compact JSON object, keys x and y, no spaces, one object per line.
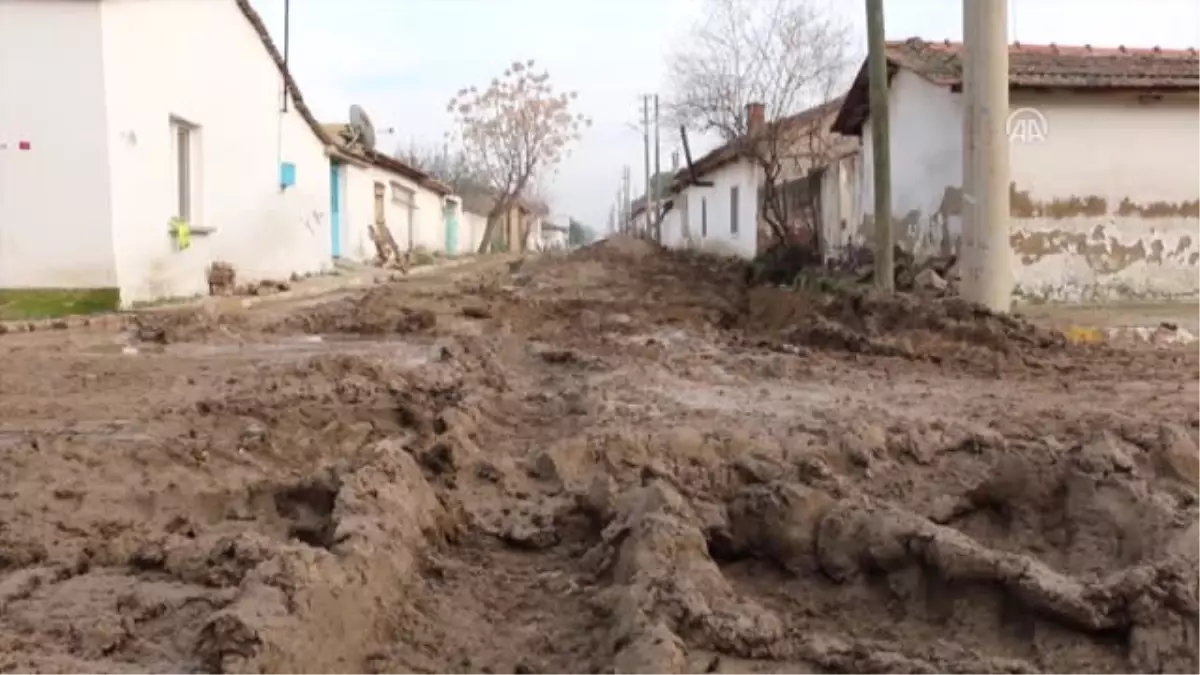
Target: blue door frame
{"x":335,"y":208}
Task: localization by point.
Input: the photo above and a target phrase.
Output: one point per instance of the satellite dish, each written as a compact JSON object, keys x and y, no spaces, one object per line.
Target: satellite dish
{"x":361,"y":129}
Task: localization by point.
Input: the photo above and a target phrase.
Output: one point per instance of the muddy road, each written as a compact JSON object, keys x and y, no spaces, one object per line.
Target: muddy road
{"x":616,"y":461}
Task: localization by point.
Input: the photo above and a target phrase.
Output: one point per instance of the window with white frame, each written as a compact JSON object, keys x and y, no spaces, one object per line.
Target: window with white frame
{"x":401,"y":194}
{"x":185,"y":168}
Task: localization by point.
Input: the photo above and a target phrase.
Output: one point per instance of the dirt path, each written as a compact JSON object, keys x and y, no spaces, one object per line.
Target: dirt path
{"x":619,"y":461}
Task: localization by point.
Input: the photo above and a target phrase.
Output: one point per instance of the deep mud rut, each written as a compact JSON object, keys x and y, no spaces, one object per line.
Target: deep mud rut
{"x":620,"y":461}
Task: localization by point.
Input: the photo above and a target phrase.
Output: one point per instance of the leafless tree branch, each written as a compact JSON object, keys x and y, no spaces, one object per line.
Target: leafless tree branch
{"x":789,"y":56}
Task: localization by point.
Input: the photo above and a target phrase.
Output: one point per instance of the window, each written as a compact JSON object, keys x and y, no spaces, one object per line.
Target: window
{"x":685,"y":229}
{"x":184,"y":153}
{"x":704,"y":216}
{"x":401,"y":194}
{"x":733,"y":210}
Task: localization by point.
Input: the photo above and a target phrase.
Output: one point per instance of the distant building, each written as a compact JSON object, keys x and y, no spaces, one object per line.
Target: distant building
{"x":555,"y":237}
{"x":716,"y":203}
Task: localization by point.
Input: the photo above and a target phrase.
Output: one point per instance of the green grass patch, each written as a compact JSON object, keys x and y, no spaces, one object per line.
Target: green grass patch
{"x":48,"y":303}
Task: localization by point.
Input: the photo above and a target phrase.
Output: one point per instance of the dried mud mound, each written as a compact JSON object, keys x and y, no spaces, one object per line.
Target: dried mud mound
{"x":939,"y":330}
{"x":537,"y":489}
{"x":629,"y":286}
{"x":273,"y":529}
{"x":209,"y":324}
{"x":706,"y":560}
{"x":378,"y":311}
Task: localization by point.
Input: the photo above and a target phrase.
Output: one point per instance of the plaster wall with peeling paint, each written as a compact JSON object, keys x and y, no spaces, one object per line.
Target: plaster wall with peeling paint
{"x":925,"y":122}
{"x":1105,"y":206}
{"x":1104,"y":203}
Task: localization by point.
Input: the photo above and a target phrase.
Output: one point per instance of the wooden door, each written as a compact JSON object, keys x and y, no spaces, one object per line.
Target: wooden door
{"x":380,"y":213}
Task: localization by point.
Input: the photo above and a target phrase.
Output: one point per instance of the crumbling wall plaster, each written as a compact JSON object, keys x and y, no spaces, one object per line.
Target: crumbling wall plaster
{"x":1105,"y":205}
{"x":1086,"y":259}
{"x":923,"y":119}
{"x":1105,"y":201}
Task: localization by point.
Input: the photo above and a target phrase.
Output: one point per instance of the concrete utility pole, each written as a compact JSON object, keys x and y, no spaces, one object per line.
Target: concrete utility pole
{"x":988,"y":272}
{"x":969,"y":271}
{"x":646,"y":156}
{"x":885,"y":277}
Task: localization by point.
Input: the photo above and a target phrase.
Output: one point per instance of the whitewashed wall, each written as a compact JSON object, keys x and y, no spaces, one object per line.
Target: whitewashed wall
{"x":425,"y":228}
{"x":233,"y":93}
{"x":672,"y":236}
{"x":719,"y":238}
{"x":926,"y":131}
{"x":55,"y":206}
{"x":470,"y":232}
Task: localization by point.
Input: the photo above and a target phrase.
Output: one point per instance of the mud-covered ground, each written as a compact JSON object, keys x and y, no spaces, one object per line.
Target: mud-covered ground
{"x":621,"y":460}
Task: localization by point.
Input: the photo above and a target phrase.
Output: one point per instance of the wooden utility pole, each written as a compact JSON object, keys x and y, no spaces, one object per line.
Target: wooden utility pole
{"x":988,"y":274}
{"x":627,"y":200}
{"x":646,"y":157}
{"x":885,"y":276}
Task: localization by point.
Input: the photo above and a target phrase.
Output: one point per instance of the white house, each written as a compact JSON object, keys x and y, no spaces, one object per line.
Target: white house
{"x":1105,"y":188}
{"x":142,"y":125}
{"x":555,"y":237}
{"x":125,"y":128}
{"x":715,"y":201}
{"x":370,"y":188}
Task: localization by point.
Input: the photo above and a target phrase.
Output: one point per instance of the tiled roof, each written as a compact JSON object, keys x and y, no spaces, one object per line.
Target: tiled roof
{"x":1034,"y":67}
{"x":733,"y":150}
{"x":330,"y":140}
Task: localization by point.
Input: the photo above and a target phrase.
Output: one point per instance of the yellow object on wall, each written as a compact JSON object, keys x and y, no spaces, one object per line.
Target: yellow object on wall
{"x":182,"y":231}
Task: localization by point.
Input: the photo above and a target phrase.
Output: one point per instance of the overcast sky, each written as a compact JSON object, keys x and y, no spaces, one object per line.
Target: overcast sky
{"x":403,"y":59}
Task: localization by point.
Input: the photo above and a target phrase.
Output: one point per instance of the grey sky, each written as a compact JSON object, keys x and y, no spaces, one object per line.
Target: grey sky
{"x":403,"y":59}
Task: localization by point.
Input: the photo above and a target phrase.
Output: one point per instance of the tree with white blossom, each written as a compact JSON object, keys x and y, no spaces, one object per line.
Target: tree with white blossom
{"x":512,"y":132}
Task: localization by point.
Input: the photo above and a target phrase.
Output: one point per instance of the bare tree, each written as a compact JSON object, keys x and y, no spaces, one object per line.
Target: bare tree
{"x":787,"y":55}
{"x":449,"y":166}
{"x":511,"y":131}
